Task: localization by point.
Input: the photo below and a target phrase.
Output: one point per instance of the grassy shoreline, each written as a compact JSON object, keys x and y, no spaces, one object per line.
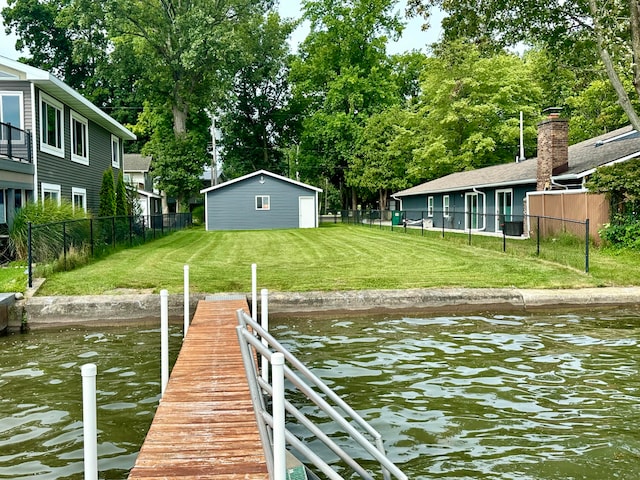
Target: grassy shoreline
{"x":330,"y":258}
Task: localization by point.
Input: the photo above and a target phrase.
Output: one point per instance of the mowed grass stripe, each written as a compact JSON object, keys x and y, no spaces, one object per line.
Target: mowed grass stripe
{"x":335,"y":257}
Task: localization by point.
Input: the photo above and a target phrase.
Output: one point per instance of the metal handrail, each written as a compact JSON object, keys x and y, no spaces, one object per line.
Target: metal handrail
{"x":249,"y":338}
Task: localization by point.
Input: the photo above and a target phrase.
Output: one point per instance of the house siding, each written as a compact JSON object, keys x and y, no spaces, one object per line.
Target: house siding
{"x":233,"y":206}
{"x":69,"y":174}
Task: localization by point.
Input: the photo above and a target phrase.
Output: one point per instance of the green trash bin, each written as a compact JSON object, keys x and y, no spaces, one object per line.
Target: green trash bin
{"x":396,"y":217}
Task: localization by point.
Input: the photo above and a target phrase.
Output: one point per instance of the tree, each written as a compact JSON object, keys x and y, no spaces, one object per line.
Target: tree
{"x":469,"y":111}
{"x":341,"y":76}
{"x":107,"y":206}
{"x":122,"y":207}
{"x":610,"y":30}
{"x":256,"y":121}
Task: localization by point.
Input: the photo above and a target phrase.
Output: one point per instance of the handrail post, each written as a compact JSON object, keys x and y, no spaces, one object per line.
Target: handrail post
{"x":186,"y":300}
{"x":254,"y":292}
{"x":279,"y":441}
{"x":164,"y":340}
{"x":89,"y":422}
{"x":264,"y":321}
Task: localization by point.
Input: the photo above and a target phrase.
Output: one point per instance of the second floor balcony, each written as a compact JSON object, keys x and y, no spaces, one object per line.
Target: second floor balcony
{"x":15,"y":144}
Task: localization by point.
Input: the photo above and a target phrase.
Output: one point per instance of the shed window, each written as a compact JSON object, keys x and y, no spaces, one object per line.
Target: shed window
{"x":263,"y":202}
{"x":445,"y":205}
{"x":430,"y":206}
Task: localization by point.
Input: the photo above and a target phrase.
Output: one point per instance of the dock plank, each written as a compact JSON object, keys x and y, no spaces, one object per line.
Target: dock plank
{"x":205,"y":427}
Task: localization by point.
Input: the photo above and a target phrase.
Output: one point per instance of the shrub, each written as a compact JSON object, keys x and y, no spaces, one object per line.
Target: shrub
{"x":47,"y":237}
{"x":197,"y":215}
{"x":622,"y":232}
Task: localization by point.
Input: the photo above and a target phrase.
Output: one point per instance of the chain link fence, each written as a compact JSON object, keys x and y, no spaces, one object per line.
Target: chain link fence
{"x":64,"y":245}
{"x":556,"y":239}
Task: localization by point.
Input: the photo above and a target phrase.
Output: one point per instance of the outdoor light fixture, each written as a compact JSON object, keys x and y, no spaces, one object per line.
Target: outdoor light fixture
{"x":261,"y":178}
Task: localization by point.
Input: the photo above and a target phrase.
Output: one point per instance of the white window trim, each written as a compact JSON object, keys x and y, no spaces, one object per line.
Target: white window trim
{"x":51,"y":188}
{"x":116,"y":160}
{"x":446,"y":206}
{"x":19,"y":95}
{"x":80,"y":192}
{"x":84,"y":160}
{"x":268,"y":197}
{"x":45,"y":147}
{"x":3,"y":206}
{"x":430,"y":203}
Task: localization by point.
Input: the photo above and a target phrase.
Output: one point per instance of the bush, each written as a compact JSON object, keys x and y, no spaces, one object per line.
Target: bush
{"x":197,"y":215}
{"x":47,"y":237}
{"x":622,"y":232}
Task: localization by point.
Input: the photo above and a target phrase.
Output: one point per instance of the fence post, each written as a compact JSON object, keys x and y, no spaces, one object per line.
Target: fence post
{"x":264,"y":322}
{"x":279,"y":441}
{"x":29,"y":255}
{"x":64,"y":244}
{"x":186,"y":300}
{"x":469,"y":226}
{"x":113,"y":232}
{"x":504,"y":239}
{"x":91,"y":236}
{"x":538,"y":237}
{"x":586,"y":246}
{"x":144,"y":230}
{"x":164,"y":340}
{"x":89,"y":422}
{"x":130,"y":229}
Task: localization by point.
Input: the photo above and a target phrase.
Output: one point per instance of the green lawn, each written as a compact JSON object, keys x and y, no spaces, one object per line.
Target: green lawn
{"x":334,"y":257}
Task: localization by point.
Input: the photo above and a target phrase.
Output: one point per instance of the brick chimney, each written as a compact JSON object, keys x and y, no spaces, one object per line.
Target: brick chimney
{"x":553,"y":148}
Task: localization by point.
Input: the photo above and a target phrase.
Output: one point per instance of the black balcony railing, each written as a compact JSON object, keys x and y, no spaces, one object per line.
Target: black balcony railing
{"x":15,"y":143}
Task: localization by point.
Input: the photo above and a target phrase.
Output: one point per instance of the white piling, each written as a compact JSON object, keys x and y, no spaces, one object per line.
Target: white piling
{"x":279,"y":442}
{"x":264,"y":322}
{"x":186,"y":300}
{"x":89,"y":421}
{"x":254,"y":292}
{"x":164,"y":340}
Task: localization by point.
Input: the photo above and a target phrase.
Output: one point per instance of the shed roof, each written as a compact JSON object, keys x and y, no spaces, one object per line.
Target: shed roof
{"x":135,"y":162}
{"x":255,"y":174}
{"x":584,"y":157}
{"x":14,"y":70}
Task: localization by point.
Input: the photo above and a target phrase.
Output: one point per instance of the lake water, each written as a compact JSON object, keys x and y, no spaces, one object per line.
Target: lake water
{"x":488,"y":397}
{"x":457,"y":397}
{"x":41,"y":398}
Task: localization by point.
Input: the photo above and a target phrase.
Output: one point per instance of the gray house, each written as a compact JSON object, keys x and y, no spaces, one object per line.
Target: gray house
{"x":487,"y":198}
{"x":259,"y":201}
{"x":54,"y":143}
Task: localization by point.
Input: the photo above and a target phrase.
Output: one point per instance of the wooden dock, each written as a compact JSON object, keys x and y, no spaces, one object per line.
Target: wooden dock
{"x":205,"y":426}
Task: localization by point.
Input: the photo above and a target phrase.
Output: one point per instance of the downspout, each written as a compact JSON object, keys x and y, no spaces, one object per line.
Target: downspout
{"x":484,"y":208}
{"x":34,"y":142}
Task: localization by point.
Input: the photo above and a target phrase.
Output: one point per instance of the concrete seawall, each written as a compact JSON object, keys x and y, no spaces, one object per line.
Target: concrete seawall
{"x":112,"y":309}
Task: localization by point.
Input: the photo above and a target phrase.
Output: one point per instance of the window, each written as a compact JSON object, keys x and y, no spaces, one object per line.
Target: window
{"x":3,"y":208}
{"x":79,"y":139}
{"x":115,"y":151}
{"x":79,"y":196}
{"x":445,"y":205}
{"x":50,"y":193}
{"x":11,"y":113}
{"x":262,"y":202}
{"x":430,"y":206}
{"x":51,"y":130}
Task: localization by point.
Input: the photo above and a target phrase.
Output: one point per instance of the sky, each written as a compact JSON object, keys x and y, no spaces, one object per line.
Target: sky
{"x":412,"y":38}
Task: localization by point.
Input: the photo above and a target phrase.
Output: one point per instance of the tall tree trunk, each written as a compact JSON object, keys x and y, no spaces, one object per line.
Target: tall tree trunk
{"x":179,"y":120}
{"x":614,"y":78}
{"x":634,"y":7}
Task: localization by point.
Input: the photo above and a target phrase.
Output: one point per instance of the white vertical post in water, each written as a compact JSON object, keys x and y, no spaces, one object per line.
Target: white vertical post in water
{"x":89,"y":421}
{"x":164,"y":340}
{"x":186,"y":300}
{"x":279,"y":442}
{"x":254,"y":292}
{"x":264,"y":322}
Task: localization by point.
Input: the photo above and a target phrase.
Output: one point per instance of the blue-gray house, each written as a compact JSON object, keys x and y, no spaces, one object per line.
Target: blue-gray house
{"x":488,"y":198}
{"x":261,"y":200}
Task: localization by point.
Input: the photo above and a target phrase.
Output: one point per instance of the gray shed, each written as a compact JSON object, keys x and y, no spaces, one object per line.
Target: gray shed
{"x":259,"y":201}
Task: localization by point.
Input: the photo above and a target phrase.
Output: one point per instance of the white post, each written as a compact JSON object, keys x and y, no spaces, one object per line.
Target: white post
{"x":186,"y":300}
{"x":264,"y":322}
{"x":254,"y":292}
{"x":89,"y":421}
{"x":164,"y":340}
{"x":279,"y":442}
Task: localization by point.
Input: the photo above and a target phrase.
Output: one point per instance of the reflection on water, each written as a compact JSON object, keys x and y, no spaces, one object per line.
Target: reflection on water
{"x":41,"y":399}
{"x":495,"y":397}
